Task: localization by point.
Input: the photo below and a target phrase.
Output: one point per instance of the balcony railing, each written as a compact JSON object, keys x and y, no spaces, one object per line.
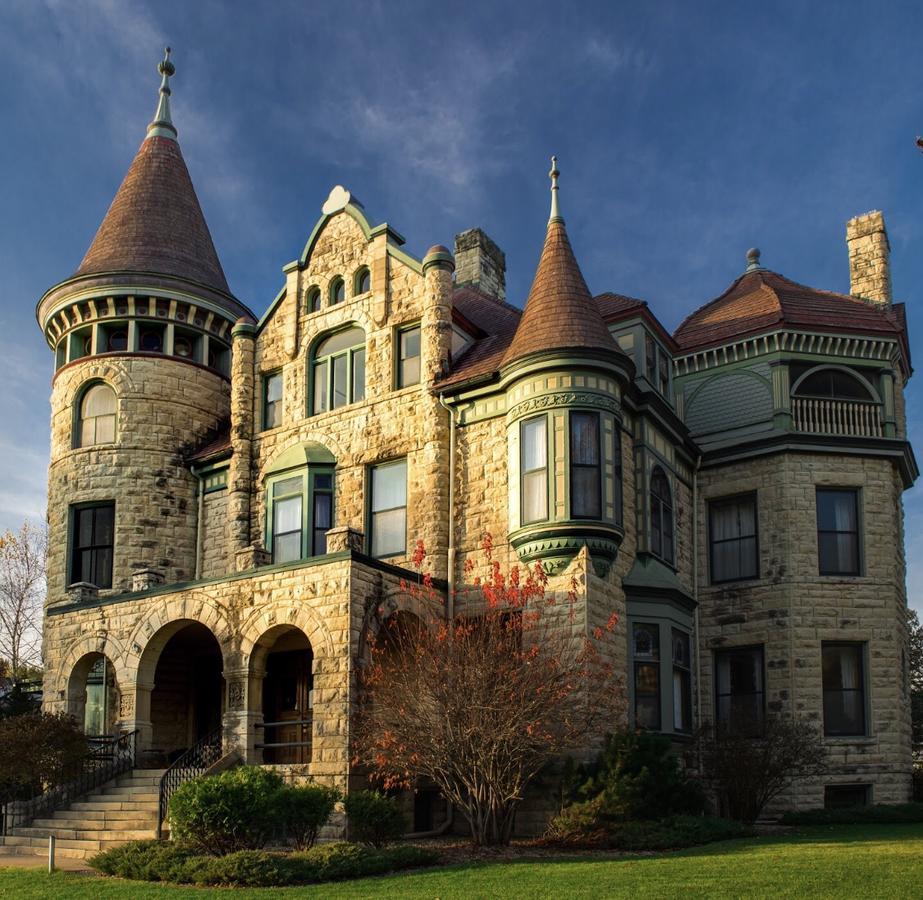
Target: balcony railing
{"x":846,"y":417}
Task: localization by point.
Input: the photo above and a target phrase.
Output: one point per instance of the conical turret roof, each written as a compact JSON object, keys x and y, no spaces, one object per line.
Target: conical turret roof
{"x":560,"y":312}
{"x":155,"y":224}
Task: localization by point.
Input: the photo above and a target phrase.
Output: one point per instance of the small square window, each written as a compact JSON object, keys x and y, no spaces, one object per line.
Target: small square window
{"x":408,"y":362}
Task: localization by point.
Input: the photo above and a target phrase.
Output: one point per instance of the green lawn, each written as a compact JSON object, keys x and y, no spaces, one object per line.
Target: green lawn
{"x":845,"y":861}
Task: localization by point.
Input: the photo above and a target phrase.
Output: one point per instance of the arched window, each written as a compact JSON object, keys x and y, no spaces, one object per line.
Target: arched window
{"x":96,"y":416}
{"x":661,"y":516}
{"x":835,"y":384}
{"x":362,"y":281}
{"x":312,"y":300}
{"x":337,"y":291}
{"x":338,"y":370}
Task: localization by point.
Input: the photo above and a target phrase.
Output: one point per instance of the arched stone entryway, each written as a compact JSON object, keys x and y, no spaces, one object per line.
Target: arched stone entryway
{"x":93,"y":694}
{"x":180,"y":689}
{"x":283,"y":660}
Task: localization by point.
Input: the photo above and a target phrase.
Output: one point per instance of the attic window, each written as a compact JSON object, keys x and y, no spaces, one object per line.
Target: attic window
{"x":337,"y":291}
{"x":362,"y":282}
{"x":833,"y":384}
{"x":312,"y":300}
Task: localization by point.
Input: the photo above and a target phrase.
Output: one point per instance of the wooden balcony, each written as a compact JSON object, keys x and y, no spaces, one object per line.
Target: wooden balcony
{"x":846,"y":417}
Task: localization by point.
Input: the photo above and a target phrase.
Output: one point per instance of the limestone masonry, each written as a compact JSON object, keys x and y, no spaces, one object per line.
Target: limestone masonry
{"x":234,"y":502}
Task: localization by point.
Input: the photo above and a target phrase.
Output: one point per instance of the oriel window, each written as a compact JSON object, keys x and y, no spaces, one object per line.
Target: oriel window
{"x":533,"y":437}
{"x":585,"y":480}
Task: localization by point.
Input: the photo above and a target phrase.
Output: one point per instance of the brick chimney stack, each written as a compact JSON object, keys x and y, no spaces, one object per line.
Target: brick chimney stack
{"x":869,"y":263}
{"x":480,"y":263}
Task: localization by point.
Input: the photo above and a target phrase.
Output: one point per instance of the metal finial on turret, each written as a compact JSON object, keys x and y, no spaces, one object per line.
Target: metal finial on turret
{"x":753,"y":259}
{"x":553,"y":175}
{"x":163,"y":126}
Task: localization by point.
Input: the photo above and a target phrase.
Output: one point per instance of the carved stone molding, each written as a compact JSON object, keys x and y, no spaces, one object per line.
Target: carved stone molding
{"x":563,"y":398}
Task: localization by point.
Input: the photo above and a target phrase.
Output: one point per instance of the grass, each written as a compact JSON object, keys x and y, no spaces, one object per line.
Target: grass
{"x":842,"y":862}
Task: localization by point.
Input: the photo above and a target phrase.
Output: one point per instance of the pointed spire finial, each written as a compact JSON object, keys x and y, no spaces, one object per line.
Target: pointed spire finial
{"x":163,"y":126}
{"x":553,"y":175}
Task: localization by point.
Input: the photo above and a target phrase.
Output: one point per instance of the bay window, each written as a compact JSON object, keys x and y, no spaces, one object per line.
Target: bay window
{"x":300,"y":513}
{"x":585,"y":472}
{"x":646,"y":652}
{"x":534,"y":475}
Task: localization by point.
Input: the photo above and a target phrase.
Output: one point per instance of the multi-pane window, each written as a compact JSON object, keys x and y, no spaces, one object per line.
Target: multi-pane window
{"x":408,"y":356}
{"x":585,"y":473}
{"x":338,"y":371}
{"x":363,"y":281}
{"x":646,"y":653}
{"x":388,"y":512}
{"x":92,"y":539}
{"x":272,"y":400}
{"x":300,"y":514}
{"x":838,"y":531}
{"x":312,"y":300}
{"x":732,"y":539}
{"x":661,"y":516}
{"x":533,"y":438}
{"x":739,"y":691}
{"x":96,"y":419}
{"x":844,"y":688}
{"x":682,"y":681}
{"x":337,"y":291}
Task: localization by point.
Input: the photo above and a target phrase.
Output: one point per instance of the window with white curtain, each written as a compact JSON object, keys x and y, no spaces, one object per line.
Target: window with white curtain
{"x":732,"y":537}
{"x":739,"y":690}
{"x":300,"y":513}
{"x":96,"y":416}
{"x":844,"y":688}
{"x":838,"y":531}
{"x":388,"y":512}
{"x":585,"y":480}
{"x":534,"y":475}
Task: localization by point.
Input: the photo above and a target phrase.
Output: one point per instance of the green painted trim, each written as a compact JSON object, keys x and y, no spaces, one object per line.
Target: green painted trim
{"x":305,"y":454}
{"x":392,"y":234}
{"x":441,"y":260}
{"x":402,"y":256}
{"x":272,"y":308}
{"x":355,"y":212}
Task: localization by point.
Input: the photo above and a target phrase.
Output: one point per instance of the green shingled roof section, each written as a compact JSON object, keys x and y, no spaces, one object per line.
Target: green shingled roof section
{"x":650,"y":574}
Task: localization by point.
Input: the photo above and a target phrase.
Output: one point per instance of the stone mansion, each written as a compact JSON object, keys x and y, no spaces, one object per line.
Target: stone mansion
{"x":233,"y":501}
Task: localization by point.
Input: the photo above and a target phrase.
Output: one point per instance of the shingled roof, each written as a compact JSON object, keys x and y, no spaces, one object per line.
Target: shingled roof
{"x":560,"y":313}
{"x":761,"y":300}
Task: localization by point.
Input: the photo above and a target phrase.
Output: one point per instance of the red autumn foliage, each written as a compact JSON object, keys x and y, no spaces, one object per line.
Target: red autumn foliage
{"x":481,"y":704}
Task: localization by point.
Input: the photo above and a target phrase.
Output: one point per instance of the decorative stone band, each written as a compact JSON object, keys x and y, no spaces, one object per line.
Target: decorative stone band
{"x":564,"y":398}
{"x":555,"y":545}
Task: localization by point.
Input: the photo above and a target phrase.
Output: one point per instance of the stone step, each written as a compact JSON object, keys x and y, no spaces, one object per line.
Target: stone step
{"x":104,"y":815}
{"x":127,"y":793}
{"x":70,"y":834}
{"x":90,"y":819}
{"x":86,"y":844}
{"x":126,"y":805}
{"x":139,"y":781}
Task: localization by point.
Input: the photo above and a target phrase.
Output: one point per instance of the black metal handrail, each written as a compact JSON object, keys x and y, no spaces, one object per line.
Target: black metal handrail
{"x":108,"y":758}
{"x":191,"y":764}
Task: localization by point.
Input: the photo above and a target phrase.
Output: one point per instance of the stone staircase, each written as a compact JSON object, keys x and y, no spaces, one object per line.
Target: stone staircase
{"x":123,"y":810}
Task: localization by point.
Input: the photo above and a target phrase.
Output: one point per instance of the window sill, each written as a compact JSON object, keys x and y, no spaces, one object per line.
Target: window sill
{"x":841,"y":739}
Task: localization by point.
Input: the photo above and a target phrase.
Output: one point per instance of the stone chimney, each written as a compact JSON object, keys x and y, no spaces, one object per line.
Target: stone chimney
{"x":480,"y":263}
{"x":869,"y":264}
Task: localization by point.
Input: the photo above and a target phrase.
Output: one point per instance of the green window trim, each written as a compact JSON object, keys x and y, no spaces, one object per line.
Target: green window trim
{"x":337,"y":375}
{"x":362,"y":281}
{"x":91,"y":543}
{"x":299,"y":503}
{"x":337,"y":291}
{"x":408,"y":356}
{"x":273,"y":396}
{"x":312,"y":300}
{"x":536,"y":473}
{"x":583,"y":445}
{"x":380,"y":515}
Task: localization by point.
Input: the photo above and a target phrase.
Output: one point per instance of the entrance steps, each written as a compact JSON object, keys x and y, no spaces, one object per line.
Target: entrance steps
{"x":123,"y":810}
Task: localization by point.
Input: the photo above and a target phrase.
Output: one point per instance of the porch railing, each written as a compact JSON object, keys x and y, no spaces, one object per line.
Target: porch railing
{"x":194,"y":762}
{"x":296,"y":748}
{"x":846,"y":417}
{"x":108,"y":758}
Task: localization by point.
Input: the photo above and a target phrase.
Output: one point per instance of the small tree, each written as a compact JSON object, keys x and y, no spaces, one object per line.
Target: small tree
{"x":38,"y":751}
{"x":22,"y":583}
{"x":915,"y":676}
{"x":481,"y":704}
{"x":747,"y":772}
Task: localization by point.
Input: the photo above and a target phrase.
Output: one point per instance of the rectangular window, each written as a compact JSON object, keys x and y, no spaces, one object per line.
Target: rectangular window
{"x":732,"y":539}
{"x":650,"y":359}
{"x":287,"y":519}
{"x":340,"y":380}
{"x":646,"y":653}
{"x":533,"y":436}
{"x":585,"y":487}
{"x":840,"y":796}
{"x":389,"y":508}
{"x":664,"y":370}
{"x":739,"y":691}
{"x":408,"y":361}
{"x":682,"y":682}
{"x":272,"y":400}
{"x":844,"y":688}
{"x":322,"y":515}
{"x":838,"y":531}
{"x":93,"y":533}
{"x":358,"y":374}
{"x":319,"y":388}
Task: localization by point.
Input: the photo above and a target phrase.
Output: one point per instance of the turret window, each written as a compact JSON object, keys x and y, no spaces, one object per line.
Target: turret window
{"x":300,"y":513}
{"x":96,"y":417}
{"x":661,"y":516}
{"x":534,"y":462}
{"x":585,"y":481}
{"x":838,"y":531}
{"x":338,"y":371}
{"x":92,"y":541}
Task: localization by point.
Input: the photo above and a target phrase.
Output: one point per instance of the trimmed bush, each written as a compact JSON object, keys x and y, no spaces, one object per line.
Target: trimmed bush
{"x":235,"y":810}
{"x":152,"y":861}
{"x":585,"y":825}
{"x":374,"y":818}
{"x":306,"y":809}
{"x":37,"y":751}
{"x":881,"y":814}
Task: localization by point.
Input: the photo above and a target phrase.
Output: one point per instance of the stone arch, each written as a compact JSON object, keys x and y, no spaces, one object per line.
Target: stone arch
{"x":106,"y":371}
{"x":287,"y":613}
{"x":104,"y":716}
{"x":100,"y":642}
{"x":874,"y":395}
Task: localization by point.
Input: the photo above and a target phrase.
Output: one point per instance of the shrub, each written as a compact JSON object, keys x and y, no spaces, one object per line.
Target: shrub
{"x":581,"y":825}
{"x":306,"y":809}
{"x":38,"y":751}
{"x":637,"y":776}
{"x":220,"y":814}
{"x":153,"y":861}
{"x":374,"y":818}
{"x":880,"y":814}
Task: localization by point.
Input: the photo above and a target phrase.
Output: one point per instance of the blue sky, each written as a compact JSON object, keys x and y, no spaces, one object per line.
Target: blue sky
{"x":686,"y":133}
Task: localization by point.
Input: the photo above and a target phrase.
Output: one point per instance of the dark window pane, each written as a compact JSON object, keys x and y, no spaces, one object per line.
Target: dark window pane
{"x":647,"y":695}
{"x":586,"y":501}
{"x":840,"y":796}
{"x":359,"y":375}
{"x":844,"y":689}
{"x":646,"y":641}
{"x":323,"y":505}
{"x":739,"y":691}
{"x":584,"y":439}
{"x":838,"y":532}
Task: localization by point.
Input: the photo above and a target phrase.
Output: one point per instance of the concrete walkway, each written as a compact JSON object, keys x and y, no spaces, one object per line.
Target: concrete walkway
{"x":16,"y":861}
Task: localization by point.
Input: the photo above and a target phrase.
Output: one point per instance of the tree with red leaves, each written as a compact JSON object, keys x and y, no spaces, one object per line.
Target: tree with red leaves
{"x":481,"y":704}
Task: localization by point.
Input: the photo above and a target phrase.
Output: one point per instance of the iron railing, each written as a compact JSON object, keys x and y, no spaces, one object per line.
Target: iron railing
{"x":846,"y":417}
{"x":108,"y":758}
{"x":303,"y":725}
{"x":203,"y":754}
